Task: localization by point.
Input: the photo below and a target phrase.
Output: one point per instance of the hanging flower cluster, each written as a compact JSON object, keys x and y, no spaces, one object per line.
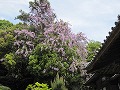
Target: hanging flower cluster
{"x":55,"y":33}
{"x":41,"y":14}
{"x":46,"y":48}
{"x":24,"y":42}
{"x":59,"y":35}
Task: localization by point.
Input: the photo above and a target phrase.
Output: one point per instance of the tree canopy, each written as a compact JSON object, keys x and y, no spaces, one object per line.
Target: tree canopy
{"x":4,"y":24}
{"x":92,"y":47}
{"x":41,"y":47}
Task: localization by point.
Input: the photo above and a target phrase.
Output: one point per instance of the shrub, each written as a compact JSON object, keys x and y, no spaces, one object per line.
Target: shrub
{"x":4,"y":87}
{"x":58,"y":83}
{"x":38,"y":86}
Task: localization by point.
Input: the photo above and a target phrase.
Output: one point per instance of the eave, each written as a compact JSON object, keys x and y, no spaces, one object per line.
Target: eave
{"x":97,"y":62}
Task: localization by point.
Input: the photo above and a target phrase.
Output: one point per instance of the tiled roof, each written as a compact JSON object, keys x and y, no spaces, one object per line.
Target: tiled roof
{"x":113,"y":35}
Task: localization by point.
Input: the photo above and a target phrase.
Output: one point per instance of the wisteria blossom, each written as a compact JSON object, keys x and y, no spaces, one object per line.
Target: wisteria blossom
{"x":41,"y":14}
{"x":25,"y":33}
{"x":24,"y":42}
{"x":46,"y":46}
{"x":55,"y":33}
{"x":59,"y":35}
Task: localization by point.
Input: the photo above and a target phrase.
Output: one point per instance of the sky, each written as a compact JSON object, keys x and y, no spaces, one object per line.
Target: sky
{"x":92,"y":17}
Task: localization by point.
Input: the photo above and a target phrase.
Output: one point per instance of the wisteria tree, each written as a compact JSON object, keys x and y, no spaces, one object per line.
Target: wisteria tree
{"x":46,"y":48}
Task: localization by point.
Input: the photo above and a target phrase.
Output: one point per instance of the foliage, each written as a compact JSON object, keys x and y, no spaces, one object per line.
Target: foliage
{"x":6,"y":42}
{"x":7,"y":36}
{"x":38,"y":86}
{"x":92,"y":47}
{"x":9,"y":61}
{"x":42,"y":61}
{"x":4,"y":24}
{"x":4,"y":87}
{"x":23,"y":16}
{"x":58,"y":83}
{"x":42,"y":47}
{"x":20,"y":26}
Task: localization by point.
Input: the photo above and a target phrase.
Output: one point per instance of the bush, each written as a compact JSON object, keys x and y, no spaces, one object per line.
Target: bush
{"x":38,"y":86}
{"x":4,"y":87}
{"x":58,"y":83}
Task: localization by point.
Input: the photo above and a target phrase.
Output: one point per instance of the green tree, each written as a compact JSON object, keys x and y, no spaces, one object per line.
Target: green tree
{"x":6,"y":42}
{"x":23,"y":17}
{"x":43,"y":63}
{"x":4,"y":24}
{"x":10,"y":63}
{"x":92,"y":47}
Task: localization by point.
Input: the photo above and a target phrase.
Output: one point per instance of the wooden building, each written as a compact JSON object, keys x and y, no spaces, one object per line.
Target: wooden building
{"x":105,"y":66}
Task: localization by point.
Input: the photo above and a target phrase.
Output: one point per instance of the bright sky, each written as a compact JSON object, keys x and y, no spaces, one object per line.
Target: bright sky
{"x":92,"y":17}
